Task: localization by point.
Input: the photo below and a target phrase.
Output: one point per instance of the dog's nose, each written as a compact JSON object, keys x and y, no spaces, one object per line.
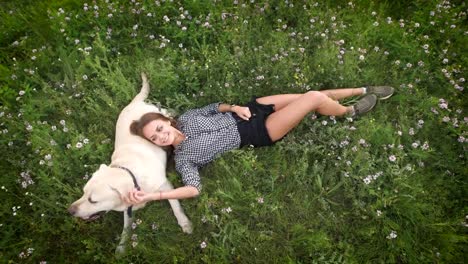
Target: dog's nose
{"x":72,"y":210}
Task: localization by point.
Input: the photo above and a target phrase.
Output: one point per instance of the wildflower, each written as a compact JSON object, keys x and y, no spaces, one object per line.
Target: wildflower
{"x":324,"y":122}
{"x":79,"y":145}
{"x":361,"y":57}
{"x":392,"y":158}
{"x":375,"y":24}
{"x":461,"y":139}
{"x":443,"y":104}
{"x":62,"y":122}
{"x":86,"y":141}
{"x":48,"y":157}
{"x":392,"y":235}
{"x":415,"y":144}
{"x":134,"y":244}
{"x":154,"y":226}
{"x":425,"y":146}
{"x":203,"y":245}
{"x":367,"y":180}
{"x":226,"y":210}
{"x":260,"y":200}
{"x":379,"y":213}
{"x":411,"y":131}
{"x":397,"y":62}
{"x":420,"y":123}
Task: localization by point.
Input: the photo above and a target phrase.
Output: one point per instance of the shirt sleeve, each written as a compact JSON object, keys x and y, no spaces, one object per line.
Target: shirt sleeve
{"x":189,"y":174}
{"x":210,"y":109}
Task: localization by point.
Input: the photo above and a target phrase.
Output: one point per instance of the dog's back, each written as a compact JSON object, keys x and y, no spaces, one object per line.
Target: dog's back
{"x":143,"y":153}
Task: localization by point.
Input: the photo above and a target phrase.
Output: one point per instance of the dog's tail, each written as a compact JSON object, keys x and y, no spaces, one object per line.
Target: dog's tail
{"x":144,"y":89}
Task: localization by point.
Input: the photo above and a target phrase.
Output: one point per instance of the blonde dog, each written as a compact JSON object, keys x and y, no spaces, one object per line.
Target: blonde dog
{"x":136,"y":163}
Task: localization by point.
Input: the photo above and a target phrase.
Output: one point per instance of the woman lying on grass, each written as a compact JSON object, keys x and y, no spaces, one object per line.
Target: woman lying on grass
{"x":200,"y":135}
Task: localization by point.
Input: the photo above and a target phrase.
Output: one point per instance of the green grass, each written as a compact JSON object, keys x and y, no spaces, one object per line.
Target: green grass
{"x":329,"y":192}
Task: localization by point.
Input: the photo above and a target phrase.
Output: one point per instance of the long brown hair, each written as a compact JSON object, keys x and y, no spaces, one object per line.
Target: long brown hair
{"x":136,"y":128}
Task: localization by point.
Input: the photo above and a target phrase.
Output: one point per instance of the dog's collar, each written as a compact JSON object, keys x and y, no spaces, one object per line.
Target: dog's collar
{"x":135,"y":183}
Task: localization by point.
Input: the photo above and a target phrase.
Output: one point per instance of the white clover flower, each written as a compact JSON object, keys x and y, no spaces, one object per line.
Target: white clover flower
{"x":203,"y":245}
{"x":425,"y":146}
{"x":260,"y":200}
{"x":375,"y":24}
{"x":411,"y":131}
{"x":367,"y":180}
{"x":392,"y":235}
{"x":48,"y":157}
{"x":226,"y":210}
{"x":79,"y":145}
{"x":379,"y":213}
{"x":85,"y":141}
{"x":415,"y":144}
{"x":85,"y":77}
{"x":392,"y":158}
{"x":361,"y":57}
{"x":397,"y":62}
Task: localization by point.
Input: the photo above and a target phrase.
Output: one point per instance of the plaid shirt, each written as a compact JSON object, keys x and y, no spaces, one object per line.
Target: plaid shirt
{"x":209,"y":133}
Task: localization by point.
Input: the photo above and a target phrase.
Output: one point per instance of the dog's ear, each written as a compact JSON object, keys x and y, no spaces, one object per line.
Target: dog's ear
{"x":121,"y":189}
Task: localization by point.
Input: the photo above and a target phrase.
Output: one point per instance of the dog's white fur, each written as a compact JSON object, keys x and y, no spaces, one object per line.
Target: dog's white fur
{"x":147,"y":162}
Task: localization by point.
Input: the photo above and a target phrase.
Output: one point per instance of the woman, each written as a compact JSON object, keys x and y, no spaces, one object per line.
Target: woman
{"x":200,"y":135}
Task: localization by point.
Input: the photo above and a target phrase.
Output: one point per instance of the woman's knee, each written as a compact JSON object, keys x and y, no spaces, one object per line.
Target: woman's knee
{"x":316,"y":97}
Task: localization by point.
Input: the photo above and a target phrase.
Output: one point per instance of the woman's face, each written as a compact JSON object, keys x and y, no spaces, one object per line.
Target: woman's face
{"x":160,"y":132}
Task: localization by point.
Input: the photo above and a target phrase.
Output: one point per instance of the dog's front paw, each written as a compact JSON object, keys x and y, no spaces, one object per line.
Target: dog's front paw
{"x":187,"y":227}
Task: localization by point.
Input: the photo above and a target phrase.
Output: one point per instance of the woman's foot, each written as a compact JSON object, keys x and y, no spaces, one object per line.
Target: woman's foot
{"x":364,"y":105}
{"x":382,"y":92}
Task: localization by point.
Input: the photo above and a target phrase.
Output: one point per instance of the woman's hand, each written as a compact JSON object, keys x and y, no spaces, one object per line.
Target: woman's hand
{"x":135,"y":197}
{"x":242,"y":111}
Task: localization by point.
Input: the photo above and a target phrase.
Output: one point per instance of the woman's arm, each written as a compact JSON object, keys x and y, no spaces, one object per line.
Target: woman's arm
{"x":242,"y":111}
{"x":136,"y":197}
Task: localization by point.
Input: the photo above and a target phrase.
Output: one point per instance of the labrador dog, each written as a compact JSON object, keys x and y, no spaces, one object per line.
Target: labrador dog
{"x":136,"y":163}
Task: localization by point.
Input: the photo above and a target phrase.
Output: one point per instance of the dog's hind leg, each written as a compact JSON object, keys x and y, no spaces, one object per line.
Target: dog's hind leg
{"x":182,"y":219}
{"x":125,"y":232}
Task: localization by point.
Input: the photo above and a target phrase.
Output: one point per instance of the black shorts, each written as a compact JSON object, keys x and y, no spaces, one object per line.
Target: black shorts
{"x":254,"y":132}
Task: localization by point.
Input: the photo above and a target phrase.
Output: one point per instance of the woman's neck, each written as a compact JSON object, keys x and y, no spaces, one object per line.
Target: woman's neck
{"x":180,"y":137}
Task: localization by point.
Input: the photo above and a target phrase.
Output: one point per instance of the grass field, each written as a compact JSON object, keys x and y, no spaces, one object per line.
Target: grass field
{"x":390,"y":187}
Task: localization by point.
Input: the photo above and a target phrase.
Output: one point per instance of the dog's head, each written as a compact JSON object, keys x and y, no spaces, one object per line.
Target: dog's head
{"x":102,"y":193}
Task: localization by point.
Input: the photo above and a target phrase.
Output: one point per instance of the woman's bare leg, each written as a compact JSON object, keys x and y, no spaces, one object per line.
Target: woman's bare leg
{"x":282,"y":100}
{"x":282,"y":121}
{"x":338,"y":94}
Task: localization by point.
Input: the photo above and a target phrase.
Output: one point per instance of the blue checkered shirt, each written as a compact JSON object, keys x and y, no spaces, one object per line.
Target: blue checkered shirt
{"x":209,"y":133}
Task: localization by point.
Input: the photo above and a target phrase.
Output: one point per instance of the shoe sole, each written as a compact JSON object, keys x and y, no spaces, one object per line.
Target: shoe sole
{"x":386,"y":97}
